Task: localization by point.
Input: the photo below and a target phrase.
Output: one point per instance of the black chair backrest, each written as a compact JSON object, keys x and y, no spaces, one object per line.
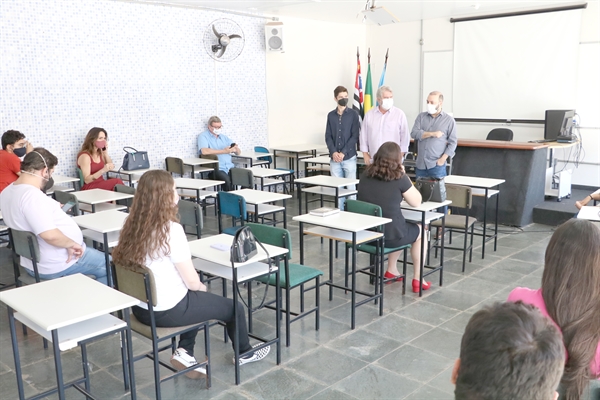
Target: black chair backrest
{"x":25,"y":244}
{"x":242,"y":177}
{"x":66,"y":197}
{"x":190,"y":215}
{"x":125,"y":189}
{"x":174,"y":165}
{"x":500,"y":134}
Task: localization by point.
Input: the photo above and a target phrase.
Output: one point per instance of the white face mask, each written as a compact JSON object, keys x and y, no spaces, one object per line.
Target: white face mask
{"x":432,"y":108}
{"x":386,"y":104}
{"x":217,"y":131}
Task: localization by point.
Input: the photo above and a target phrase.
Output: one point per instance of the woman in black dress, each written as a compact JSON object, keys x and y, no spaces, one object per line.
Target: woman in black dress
{"x":384,"y":183}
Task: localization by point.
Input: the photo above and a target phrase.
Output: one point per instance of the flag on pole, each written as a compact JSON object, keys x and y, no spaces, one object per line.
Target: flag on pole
{"x":357,"y":103}
{"x":384,"y":68}
{"x":368,"y":104}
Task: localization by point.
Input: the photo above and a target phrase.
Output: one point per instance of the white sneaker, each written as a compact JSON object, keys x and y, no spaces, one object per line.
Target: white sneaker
{"x":182,"y":360}
{"x":256,"y":356}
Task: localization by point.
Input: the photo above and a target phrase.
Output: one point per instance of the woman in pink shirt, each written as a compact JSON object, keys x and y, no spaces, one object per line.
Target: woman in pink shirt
{"x":570,"y":296}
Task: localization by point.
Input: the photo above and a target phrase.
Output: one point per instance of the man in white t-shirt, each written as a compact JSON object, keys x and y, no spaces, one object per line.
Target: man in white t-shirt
{"x":25,"y":207}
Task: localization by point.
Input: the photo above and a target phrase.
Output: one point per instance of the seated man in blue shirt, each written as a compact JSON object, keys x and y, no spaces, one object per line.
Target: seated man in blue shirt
{"x":212,"y":141}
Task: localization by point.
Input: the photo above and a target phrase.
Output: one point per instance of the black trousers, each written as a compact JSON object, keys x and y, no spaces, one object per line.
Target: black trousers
{"x":223,"y":176}
{"x":198,"y":307}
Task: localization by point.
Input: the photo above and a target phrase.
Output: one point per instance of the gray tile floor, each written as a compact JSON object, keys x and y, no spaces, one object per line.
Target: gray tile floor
{"x":405,"y":354}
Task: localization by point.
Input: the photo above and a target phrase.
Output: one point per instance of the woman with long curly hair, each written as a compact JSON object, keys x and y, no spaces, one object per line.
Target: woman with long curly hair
{"x":385,"y":184}
{"x":570,"y":296}
{"x":94,"y":161}
{"x":153,"y":238}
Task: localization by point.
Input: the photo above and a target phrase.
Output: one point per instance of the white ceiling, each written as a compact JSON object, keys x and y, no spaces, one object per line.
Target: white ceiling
{"x":346,"y":11}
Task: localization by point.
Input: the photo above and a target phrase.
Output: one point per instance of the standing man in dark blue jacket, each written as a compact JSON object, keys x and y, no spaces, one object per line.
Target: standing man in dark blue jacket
{"x":341,"y":136}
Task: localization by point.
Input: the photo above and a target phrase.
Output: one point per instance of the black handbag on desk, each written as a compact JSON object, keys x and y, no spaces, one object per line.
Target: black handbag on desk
{"x":134,"y":159}
{"x":244,"y":248}
{"x":431,"y":189}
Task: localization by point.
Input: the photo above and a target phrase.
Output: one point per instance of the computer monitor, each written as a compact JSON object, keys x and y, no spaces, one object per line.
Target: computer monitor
{"x":558,"y":123}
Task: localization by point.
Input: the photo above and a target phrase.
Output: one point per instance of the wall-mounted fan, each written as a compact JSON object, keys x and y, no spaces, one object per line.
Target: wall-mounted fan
{"x":224,"y":40}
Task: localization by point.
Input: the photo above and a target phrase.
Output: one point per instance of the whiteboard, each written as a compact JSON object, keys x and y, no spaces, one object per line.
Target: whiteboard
{"x":588,"y":85}
{"x":516,"y":67}
{"x":437,"y":75}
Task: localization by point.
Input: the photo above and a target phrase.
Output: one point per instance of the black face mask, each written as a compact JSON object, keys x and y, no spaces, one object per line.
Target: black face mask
{"x":20,"y":152}
{"x":47,"y":185}
{"x":343,"y":102}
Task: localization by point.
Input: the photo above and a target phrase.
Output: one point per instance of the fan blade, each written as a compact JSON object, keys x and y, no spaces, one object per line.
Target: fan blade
{"x":216,"y":47}
{"x":221,"y":52}
{"x":235,"y":37}
{"x":215,"y":31}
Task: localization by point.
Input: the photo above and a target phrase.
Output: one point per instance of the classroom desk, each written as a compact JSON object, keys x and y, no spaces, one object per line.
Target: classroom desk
{"x":96,"y":197}
{"x":324,"y":186}
{"x":217,"y":262}
{"x":132,"y":176}
{"x":61,"y":180}
{"x":349,"y":228}
{"x":197,"y":185}
{"x":424,"y":215}
{"x":103,"y":228}
{"x":320,"y":160}
{"x":195,"y":162}
{"x":483,"y":187}
{"x":523,"y":167}
{"x":70,"y":311}
{"x":296,"y":152}
{"x":589,"y":213}
{"x":266,"y":176}
{"x":251,"y":157}
{"x":260,"y":200}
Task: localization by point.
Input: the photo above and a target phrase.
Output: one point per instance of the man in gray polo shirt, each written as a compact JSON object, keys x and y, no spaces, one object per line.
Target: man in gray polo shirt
{"x":435,"y":134}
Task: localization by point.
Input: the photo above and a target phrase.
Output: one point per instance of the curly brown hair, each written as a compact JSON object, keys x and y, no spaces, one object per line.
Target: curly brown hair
{"x":88,"y":145}
{"x":146,"y":230}
{"x":387,"y":163}
{"x":571,"y":289}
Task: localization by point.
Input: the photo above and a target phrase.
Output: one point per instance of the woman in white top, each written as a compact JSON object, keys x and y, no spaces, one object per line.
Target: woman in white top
{"x":152,"y":237}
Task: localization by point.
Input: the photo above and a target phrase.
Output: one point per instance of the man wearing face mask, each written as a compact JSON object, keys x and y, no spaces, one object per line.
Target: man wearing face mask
{"x":435,"y":134}
{"x":26,"y":208}
{"x":14,"y":147}
{"x":341,"y":136}
{"x":213,"y":142}
{"x":384,"y":123}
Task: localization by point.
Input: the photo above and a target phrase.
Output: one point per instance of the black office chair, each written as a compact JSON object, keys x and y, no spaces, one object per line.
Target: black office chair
{"x":500,"y":134}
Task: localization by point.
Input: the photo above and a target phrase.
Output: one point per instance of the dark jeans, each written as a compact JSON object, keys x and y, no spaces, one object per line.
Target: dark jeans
{"x":198,"y":307}
{"x":223,"y":176}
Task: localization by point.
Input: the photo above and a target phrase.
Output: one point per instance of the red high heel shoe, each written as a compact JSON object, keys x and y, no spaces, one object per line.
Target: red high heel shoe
{"x":415,"y":285}
{"x":391,"y":278}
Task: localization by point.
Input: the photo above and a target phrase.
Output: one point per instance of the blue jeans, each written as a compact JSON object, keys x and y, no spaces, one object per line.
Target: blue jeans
{"x":438,"y":172}
{"x":344,"y":169}
{"x":92,"y":262}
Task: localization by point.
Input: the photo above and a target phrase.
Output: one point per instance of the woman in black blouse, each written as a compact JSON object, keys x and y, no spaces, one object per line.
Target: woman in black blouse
{"x":384,"y":183}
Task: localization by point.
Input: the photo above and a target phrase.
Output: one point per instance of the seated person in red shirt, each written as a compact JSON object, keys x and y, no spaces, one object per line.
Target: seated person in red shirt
{"x":14,"y":146}
{"x":94,"y":161}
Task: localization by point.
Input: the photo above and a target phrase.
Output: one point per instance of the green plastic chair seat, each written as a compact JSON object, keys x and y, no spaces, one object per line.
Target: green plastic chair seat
{"x":299,"y":274}
{"x":370,"y":249}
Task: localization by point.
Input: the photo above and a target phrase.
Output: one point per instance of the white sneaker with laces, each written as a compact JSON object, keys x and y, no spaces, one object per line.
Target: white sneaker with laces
{"x":182,"y":360}
{"x":256,"y":356}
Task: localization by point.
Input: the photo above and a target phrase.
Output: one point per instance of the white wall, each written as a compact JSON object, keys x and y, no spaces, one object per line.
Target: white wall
{"x":318,"y":57}
{"x":139,"y":71}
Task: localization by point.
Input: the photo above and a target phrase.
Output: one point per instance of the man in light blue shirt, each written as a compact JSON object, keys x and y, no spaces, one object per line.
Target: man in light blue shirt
{"x":213,"y":142}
